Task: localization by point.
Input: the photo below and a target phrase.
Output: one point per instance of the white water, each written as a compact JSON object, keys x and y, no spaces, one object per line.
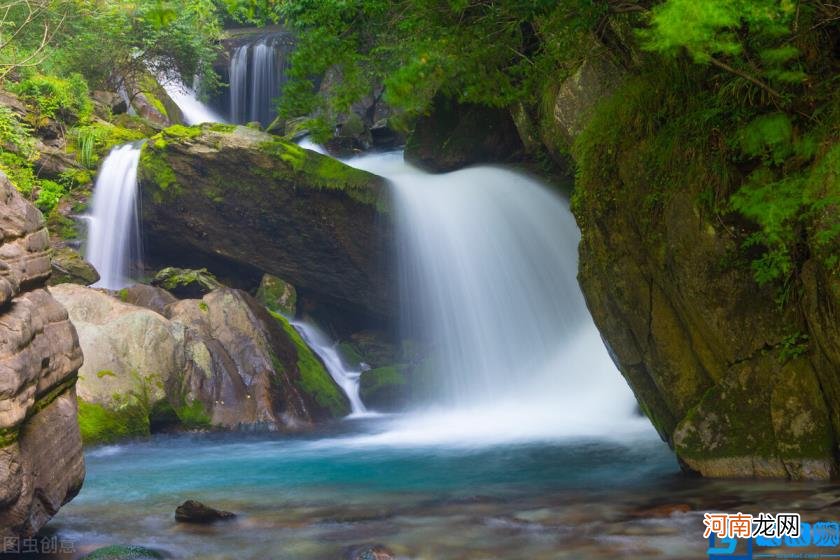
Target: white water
{"x":113,"y":245}
{"x":488,"y":265}
{"x":257,"y":74}
{"x":194,"y":111}
{"x":345,"y":377}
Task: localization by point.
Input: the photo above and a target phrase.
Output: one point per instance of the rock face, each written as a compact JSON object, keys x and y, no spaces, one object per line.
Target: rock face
{"x":41,"y":463}
{"x":737,"y":384}
{"x":222,"y":361}
{"x":456,"y":135}
{"x":234,"y":194}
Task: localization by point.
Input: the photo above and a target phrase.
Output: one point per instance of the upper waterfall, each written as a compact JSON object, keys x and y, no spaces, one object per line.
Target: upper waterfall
{"x":257,"y":75}
{"x":113,"y":245}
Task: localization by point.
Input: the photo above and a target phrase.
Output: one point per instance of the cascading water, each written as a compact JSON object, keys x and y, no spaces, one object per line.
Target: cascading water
{"x":113,"y":245}
{"x":346,"y":378}
{"x":488,"y":263}
{"x":257,"y":74}
{"x":194,"y":111}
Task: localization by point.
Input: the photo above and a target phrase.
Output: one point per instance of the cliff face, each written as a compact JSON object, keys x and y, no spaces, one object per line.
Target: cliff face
{"x":41,"y":462}
{"x":740,"y":378}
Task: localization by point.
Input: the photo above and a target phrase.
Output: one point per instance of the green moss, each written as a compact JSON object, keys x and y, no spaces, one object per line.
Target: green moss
{"x":315,"y":380}
{"x":325,"y":173}
{"x":123,"y":295}
{"x":156,"y":103}
{"x":203,"y":306}
{"x":106,"y":372}
{"x":93,"y":141}
{"x":155,"y":169}
{"x":63,"y":226}
{"x":181,"y":132}
{"x":220,"y":127}
{"x":8,"y":436}
{"x":99,"y":424}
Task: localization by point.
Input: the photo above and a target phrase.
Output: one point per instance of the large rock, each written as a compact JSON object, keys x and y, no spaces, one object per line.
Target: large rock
{"x":222,"y":361}
{"x":41,"y":462}
{"x":455,"y":135}
{"x":233,"y":194}
{"x":738,"y":381}
{"x":69,"y":267}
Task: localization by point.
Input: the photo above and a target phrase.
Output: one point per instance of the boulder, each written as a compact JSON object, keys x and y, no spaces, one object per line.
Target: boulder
{"x":248,"y":367}
{"x":69,"y":267}
{"x":223,"y":361}
{"x":369,"y":552}
{"x":186,"y":283}
{"x":455,"y":135}
{"x":277,"y":295}
{"x":218,"y":193}
{"x":192,"y":511}
{"x":41,"y":462}
{"x":147,"y":296}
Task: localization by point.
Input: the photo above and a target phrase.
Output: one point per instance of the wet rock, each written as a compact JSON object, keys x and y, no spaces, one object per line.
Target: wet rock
{"x":369,"y":552}
{"x":456,"y":135}
{"x":385,"y":388}
{"x":221,"y":193}
{"x":68,"y":267}
{"x":186,"y":283}
{"x":124,"y":552}
{"x":192,"y":511}
{"x":278,"y":295}
{"x":41,"y":462}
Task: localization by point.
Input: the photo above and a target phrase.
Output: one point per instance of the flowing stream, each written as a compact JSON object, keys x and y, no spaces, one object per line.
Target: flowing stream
{"x":194,"y":111}
{"x":114,"y":246}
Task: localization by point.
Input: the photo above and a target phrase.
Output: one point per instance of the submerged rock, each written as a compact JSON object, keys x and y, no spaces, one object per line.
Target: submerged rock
{"x":219,"y":193}
{"x":124,"y":552}
{"x":41,"y":462}
{"x":192,"y":511}
{"x":186,"y":283}
{"x":369,"y":552}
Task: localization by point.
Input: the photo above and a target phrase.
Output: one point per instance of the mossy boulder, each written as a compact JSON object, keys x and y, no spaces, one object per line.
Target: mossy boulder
{"x":68,"y":267}
{"x":186,"y":283}
{"x":455,"y":135}
{"x":233,"y":194}
{"x":277,"y":295}
{"x":385,"y":388}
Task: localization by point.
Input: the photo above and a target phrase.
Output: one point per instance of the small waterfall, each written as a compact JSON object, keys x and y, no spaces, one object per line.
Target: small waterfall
{"x":488,"y":266}
{"x":345,"y":377}
{"x":257,"y":74}
{"x":194,"y":111}
{"x":113,"y":245}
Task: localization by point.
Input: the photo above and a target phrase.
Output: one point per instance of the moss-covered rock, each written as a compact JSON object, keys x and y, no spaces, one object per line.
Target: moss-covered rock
{"x":277,"y":295}
{"x":105,"y":424}
{"x":244,"y":197}
{"x":186,"y":283}
{"x":68,"y":267}
{"x":385,"y":388}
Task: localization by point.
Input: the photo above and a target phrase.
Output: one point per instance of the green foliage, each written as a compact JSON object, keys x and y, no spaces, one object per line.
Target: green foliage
{"x":193,"y":416}
{"x":51,"y":97}
{"x":49,"y":195}
{"x":93,"y":141}
{"x":15,"y":135}
{"x":100,"y":424}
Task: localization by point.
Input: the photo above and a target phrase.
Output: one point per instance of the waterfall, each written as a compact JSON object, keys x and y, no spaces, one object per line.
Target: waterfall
{"x":194,"y":111}
{"x":488,"y":266}
{"x":346,"y":378}
{"x":113,"y":245}
{"x":257,"y":74}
